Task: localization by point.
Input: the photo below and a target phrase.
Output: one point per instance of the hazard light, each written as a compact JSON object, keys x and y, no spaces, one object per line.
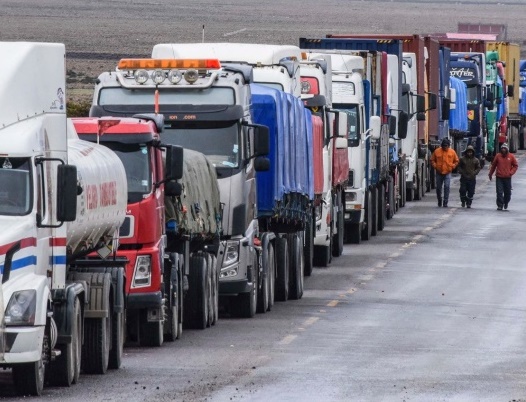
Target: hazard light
{"x":167,"y":64}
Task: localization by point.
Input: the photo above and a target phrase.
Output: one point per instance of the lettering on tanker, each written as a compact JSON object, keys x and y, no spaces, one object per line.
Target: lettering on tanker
{"x":104,"y":195}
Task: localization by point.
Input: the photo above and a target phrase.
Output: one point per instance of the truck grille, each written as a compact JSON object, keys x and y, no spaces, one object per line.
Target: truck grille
{"x":351,"y":178}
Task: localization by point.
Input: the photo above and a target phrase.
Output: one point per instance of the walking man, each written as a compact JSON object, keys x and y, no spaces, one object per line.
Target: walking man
{"x":505,"y":165}
{"x":469,"y":168}
{"x":444,"y":160}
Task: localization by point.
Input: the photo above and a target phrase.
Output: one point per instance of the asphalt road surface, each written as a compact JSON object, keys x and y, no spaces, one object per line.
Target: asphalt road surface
{"x":431,"y":309}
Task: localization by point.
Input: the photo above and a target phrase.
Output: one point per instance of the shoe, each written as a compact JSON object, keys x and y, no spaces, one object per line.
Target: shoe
{"x":469,"y":206}
{"x":445,"y":205}
{"x":499,"y":208}
{"x":464,"y":204}
{"x":505,"y":206}
{"x":439,"y":203}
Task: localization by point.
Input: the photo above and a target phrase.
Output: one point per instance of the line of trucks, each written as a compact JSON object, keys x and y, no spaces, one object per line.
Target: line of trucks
{"x":213,"y":177}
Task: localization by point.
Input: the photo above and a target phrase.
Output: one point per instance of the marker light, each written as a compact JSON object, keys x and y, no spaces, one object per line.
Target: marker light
{"x":150,"y":64}
{"x":175,"y":76}
{"x":191,"y":76}
{"x":141,"y":76}
{"x":158,"y":76}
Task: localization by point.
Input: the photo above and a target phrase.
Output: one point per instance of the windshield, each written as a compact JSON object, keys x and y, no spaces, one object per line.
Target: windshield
{"x":136,"y":162}
{"x":473,"y":95}
{"x":219,"y":141}
{"x":354,"y":125}
{"x":145,"y":96}
{"x":15,"y":186}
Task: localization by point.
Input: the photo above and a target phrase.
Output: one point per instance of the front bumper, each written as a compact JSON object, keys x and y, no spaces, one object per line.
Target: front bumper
{"x":140,"y":301}
{"x":353,"y":216}
{"x":233,"y":288}
{"x":23,"y":344}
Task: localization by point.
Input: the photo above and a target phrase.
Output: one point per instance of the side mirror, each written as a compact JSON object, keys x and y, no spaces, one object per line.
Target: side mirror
{"x":261,"y":140}
{"x":432,"y":101}
{"x":420,"y":104}
{"x":262,"y":164}
{"x":421,"y":116}
{"x":446,"y":107}
{"x":403,"y":119}
{"x":375,"y":123}
{"x":340,"y":143}
{"x":66,"y":193}
{"x":511,"y":91}
{"x":174,"y":163}
{"x":392,"y":125}
{"x":172,"y":189}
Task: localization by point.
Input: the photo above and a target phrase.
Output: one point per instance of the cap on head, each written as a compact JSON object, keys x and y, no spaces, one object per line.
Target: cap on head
{"x":504,"y":146}
{"x":445,"y":142}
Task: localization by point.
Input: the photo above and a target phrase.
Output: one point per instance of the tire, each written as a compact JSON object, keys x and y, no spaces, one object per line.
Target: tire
{"x":210,"y":285}
{"x":337,"y":239}
{"x":272,"y":276}
{"x":308,"y":248}
{"x":263,"y":291}
{"x":282,"y":269}
{"x":65,"y":370}
{"x":322,"y":256}
{"x":418,"y":189}
{"x":245,"y":304}
{"x":96,"y":348}
{"x":366,"y":231}
{"x":117,"y":341}
{"x":391,"y":197}
{"x":374,"y":199}
{"x":215,"y":290}
{"x":410,"y":194}
{"x":196,"y":305}
{"x":353,"y":233}
{"x":29,"y":378}
{"x":403,"y":189}
{"x":296,"y":267}
{"x":381,"y":207}
{"x":171,"y":285}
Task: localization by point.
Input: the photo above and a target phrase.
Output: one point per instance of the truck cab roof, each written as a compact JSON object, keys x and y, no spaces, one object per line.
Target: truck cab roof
{"x":119,"y":129}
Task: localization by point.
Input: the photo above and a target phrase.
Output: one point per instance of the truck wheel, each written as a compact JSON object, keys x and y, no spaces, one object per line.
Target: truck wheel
{"x":366,"y":231}
{"x":65,"y":370}
{"x":337,"y":239}
{"x":196,"y":306}
{"x":381,"y":207}
{"x":374,"y":211}
{"x":96,"y":348}
{"x":172,"y":300}
{"x":272,"y":275}
{"x":410,"y":194}
{"x":353,"y":233}
{"x":215,"y":290}
{"x":391,"y":198}
{"x":210,"y":285}
{"x":117,"y":339}
{"x":245,"y":304}
{"x":418,"y":189}
{"x":150,"y":333}
{"x":308,"y":249}
{"x":402,"y":186}
{"x":29,"y":378}
{"x":296,"y":267}
{"x":322,"y":256}
{"x":263,"y":291}
{"x":282,"y":269}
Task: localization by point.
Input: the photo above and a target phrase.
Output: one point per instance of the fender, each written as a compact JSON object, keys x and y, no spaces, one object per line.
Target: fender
{"x":63,"y":312}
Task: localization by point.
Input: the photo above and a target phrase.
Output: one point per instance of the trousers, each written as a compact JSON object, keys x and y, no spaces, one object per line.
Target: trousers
{"x":503,"y":187}
{"x":467,"y":189}
{"x":443,"y":180}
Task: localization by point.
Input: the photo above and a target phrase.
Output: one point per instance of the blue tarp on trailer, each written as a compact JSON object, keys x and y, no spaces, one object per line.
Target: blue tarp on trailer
{"x":458,"y":117}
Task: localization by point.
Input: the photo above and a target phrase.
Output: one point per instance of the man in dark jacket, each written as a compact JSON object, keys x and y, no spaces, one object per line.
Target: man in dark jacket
{"x":506,"y":165}
{"x":469,"y":168}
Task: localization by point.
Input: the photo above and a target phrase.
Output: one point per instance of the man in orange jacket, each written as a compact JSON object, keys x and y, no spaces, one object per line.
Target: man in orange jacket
{"x":444,"y":160}
{"x":506,"y":165}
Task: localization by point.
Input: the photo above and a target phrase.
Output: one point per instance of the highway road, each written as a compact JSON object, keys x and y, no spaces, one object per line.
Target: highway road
{"x":431,"y":309}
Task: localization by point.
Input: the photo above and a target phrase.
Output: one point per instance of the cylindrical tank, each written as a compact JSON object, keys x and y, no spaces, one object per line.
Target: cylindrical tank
{"x":101,"y":206}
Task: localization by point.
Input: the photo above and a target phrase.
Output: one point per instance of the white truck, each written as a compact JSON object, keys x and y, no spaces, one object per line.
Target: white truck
{"x":61,"y":200}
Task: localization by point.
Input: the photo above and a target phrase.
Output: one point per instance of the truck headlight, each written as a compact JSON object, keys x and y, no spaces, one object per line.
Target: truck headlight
{"x":231,"y":254}
{"x":318,"y":211}
{"x":21,"y":308}
{"x":143,"y":271}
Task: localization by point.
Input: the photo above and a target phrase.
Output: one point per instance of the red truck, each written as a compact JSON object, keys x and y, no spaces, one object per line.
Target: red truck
{"x":161,"y":272}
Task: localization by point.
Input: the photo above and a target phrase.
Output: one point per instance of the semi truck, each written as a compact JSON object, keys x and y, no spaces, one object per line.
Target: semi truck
{"x":275,"y":66}
{"x":509,"y":56}
{"x":522,"y":104}
{"x":61,"y":199}
{"x":374,"y":169}
{"x":316,"y":86}
{"x":206,"y":107}
{"x":164,"y":245}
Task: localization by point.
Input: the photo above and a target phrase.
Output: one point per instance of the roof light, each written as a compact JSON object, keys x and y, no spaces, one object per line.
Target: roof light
{"x":191,"y":76}
{"x":175,"y":76}
{"x":149,"y":64}
{"x":141,"y":76}
{"x":158,"y":76}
